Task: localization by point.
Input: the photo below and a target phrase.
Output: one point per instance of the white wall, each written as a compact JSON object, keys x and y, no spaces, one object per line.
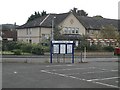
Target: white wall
{"x":35,"y":35}
{"x":22,"y":35}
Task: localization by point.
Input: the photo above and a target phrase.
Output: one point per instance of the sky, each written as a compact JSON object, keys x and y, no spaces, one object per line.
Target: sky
{"x":18,"y":11}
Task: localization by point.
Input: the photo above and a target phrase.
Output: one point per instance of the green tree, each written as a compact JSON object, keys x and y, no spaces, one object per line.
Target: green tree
{"x":26,"y":47}
{"x":108,"y":32}
{"x":57,"y":34}
{"x":98,"y":17}
{"x":118,"y":38}
{"x":82,"y":13}
{"x":79,"y":12}
{"x":36,"y":15}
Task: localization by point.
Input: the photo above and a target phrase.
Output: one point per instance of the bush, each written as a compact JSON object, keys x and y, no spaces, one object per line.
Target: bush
{"x":17,"y":52}
{"x":26,"y":47}
{"x":90,"y":48}
{"x":37,"y":49}
{"x":94,"y":48}
{"x":108,"y":48}
{"x":46,"y":48}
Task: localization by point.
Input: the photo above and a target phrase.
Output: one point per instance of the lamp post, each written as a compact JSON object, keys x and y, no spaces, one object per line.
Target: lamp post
{"x":52,"y":38}
{"x":52,"y":32}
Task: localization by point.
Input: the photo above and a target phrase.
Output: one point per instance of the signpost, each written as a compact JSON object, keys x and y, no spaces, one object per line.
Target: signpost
{"x":62,"y":47}
{"x":117,"y":52}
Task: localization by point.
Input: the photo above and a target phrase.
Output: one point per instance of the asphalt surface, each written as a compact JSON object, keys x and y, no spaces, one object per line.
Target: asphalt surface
{"x":55,"y":60}
{"x":79,"y":75}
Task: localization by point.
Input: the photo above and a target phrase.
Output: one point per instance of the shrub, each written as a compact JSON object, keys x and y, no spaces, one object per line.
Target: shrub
{"x":26,"y":47}
{"x":108,"y":48}
{"x":46,"y":48}
{"x":90,"y":48}
{"x":17,"y":51}
{"x":37,"y":49}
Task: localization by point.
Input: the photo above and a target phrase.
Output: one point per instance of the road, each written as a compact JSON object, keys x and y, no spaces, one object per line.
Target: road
{"x":79,"y":75}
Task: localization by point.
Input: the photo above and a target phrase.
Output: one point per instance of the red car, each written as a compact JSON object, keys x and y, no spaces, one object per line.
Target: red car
{"x":117,"y":51}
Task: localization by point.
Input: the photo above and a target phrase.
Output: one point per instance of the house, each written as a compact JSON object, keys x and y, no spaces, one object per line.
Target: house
{"x":38,"y":30}
{"x":8,"y":32}
{"x":71,"y":25}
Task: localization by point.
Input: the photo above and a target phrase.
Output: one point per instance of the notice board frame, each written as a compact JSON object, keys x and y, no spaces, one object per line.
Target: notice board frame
{"x":61,"y":47}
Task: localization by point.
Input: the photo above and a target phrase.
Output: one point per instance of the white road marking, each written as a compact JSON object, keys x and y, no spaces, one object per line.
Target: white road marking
{"x":70,"y":65}
{"x":15,"y":72}
{"x":63,"y":75}
{"x":93,"y":72}
{"x":100,"y":72}
{"x":114,"y":70}
{"x":102,"y":79}
{"x":58,"y":65}
{"x":71,"y":69}
{"x":116,"y":81}
{"x":106,"y":84}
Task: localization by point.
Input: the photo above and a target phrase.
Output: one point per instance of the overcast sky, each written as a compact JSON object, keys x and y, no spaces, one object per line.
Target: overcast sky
{"x":19,"y":10}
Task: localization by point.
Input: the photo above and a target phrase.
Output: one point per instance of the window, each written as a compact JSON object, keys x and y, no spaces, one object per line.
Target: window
{"x":30,"y":41}
{"x":27,"y":31}
{"x":30,"y":31}
{"x":70,"y":30}
{"x":73,"y":30}
{"x":45,"y":36}
{"x":77,"y":30}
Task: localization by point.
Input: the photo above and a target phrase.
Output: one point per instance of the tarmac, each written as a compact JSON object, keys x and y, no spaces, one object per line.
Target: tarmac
{"x":81,"y":75}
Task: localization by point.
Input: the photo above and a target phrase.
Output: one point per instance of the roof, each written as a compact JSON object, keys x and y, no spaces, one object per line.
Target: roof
{"x":45,"y":21}
{"x":7,"y":26}
{"x":87,"y":22}
{"x":96,"y":23}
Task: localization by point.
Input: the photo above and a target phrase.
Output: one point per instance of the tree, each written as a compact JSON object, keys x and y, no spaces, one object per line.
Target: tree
{"x":57,"y":34}
{"x":108,"y":32}
{"x":118,"y":38}
{"x":79,"y":12}
{"x":82,"y":13}
{"x":43,"y":13}
{"x":36,"y":15}
{"x":98,"y":16}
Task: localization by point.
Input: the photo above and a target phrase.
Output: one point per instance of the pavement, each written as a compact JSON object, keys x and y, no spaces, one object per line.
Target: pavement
{"x":60,"y":58}
{"x":80,"y":75}
{"x":90,"y":56}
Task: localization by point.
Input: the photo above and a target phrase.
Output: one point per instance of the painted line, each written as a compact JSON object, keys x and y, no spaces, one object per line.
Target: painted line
{"x":102,"y":79}
{"x":114,"y":70}
{"x":100,"y":72}
{"x":58,"y":65}
{"x":70,"y":69}
{"x":92,"y":72}
{"x":106,"y":84}
{"x":63,"y":75}
{"x":117,"y":81}
{"x":15,"y":72}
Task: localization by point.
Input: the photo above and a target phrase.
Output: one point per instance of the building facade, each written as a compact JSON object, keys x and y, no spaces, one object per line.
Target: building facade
{"x":8,"y":32}
{"x":70,"y":24}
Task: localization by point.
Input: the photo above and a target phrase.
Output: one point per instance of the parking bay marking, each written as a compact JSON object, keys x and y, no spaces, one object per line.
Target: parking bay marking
{"x":103,"y":79}
{"x":71,"y":69}
{"x":93,"y":72}
{"x":64,"y":75}
{"x":58,"y":65}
